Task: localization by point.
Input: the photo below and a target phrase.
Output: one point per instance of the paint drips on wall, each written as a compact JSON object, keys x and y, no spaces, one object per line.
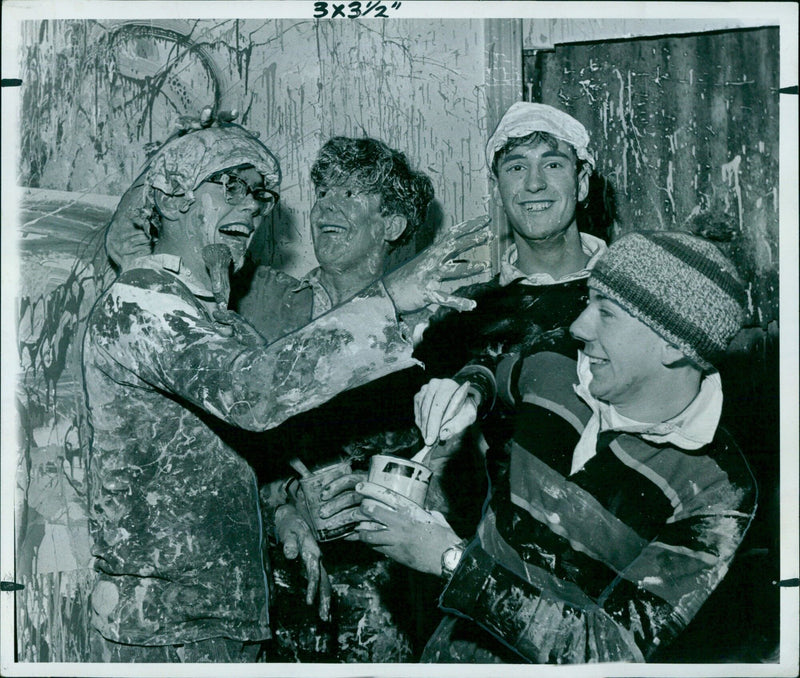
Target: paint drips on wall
{"x":686,"y":130}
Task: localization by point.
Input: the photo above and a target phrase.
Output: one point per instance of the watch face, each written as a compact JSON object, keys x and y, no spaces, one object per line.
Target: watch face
{"x":451,"y":558}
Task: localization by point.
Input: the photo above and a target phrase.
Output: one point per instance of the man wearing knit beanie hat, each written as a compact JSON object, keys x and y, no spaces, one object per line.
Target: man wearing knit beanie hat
{"x":625,"y":500}
{"x":662,"y":307}
{"x":679,"y":285}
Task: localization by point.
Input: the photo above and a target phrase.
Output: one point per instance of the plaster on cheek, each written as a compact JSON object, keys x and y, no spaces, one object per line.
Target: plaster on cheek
{"x":208,"y":218}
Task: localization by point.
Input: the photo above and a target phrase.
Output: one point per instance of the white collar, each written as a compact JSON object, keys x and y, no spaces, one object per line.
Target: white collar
{"x":690,"y":429}
{"x":592,"y":246}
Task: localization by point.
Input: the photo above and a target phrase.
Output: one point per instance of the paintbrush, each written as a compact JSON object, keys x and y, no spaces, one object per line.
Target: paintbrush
{"x":218,"y":258}
{"x":419,"y":456}
{"x":300,"y":467}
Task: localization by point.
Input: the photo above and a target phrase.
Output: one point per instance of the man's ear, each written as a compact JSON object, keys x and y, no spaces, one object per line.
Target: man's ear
{"x":583,"y":182}
{"x":671,"y":355}
{"x":394,"y":226}
{"x":168,"y":206}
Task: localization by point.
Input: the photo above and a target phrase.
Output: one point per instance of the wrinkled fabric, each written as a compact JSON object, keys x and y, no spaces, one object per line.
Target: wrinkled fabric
{"x":524,"y":118}
{"x":183,"y":164}
{"x":609,"y":563}
{"x":176,"y":522}
{"x":690,"y":429}
{"x":275,"y":303}
{"x":592,"y":246}
{"x":322,"y":299}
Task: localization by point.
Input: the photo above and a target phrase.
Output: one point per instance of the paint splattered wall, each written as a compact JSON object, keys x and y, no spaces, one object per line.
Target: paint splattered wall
{"x":686,"y":132}
{"x":546,"y":33}
{"x":96,"y":95}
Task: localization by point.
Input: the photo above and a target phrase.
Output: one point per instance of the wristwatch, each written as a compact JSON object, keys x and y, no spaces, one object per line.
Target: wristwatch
{"x":452,"y":557}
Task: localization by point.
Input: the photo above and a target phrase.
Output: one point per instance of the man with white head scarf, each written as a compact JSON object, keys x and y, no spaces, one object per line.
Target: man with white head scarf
{"x":540,"y":163}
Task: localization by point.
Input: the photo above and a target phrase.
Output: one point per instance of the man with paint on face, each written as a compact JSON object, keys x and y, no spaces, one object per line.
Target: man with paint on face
{"x":625,"y":500}
{"x":367,"y":202}
{"x":177,"y":528}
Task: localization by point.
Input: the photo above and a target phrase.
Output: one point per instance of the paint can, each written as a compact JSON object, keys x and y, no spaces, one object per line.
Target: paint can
{"x":403,"y":476}
{"x":325,"y":529}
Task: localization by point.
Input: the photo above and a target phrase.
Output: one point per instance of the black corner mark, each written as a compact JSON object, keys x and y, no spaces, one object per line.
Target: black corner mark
{"x":788,"y":90}
{"x":10,"y":586}
{"x":789,"y":583}
{"x":11,"y":82}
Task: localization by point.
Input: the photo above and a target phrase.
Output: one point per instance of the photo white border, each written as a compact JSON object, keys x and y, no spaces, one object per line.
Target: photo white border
{"x":748,"y":14}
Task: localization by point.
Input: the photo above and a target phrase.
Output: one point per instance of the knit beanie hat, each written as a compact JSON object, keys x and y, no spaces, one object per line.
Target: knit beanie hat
{"x":524,"y":118}
{"x":680,"y":286}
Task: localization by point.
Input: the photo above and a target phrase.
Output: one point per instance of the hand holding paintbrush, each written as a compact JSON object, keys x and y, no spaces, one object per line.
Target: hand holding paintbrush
{"x":218,"y":258}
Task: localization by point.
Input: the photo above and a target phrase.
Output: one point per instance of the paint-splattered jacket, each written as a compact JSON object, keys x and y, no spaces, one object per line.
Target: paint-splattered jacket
{"x":375,"y":418}
{"x":606,"y":564}
{"x":177,"y":528}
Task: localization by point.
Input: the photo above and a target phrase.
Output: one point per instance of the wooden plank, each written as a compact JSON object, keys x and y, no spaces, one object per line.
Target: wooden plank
{"x":503,"y":38}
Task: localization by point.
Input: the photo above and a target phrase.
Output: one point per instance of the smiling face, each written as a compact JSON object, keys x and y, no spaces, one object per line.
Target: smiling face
{"x":226,"y":210}
{"x":348,"y":229}
{"x":540,"y":187}
{"x":626,"y":357}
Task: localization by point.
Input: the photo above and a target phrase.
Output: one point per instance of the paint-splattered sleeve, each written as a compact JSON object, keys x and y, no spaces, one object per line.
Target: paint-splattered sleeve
{"x":152,"y":329}
{"x":557,"y":592}
{"x":550,"y":620}
{"x":608,"y":563}
{"x":661,"y":591}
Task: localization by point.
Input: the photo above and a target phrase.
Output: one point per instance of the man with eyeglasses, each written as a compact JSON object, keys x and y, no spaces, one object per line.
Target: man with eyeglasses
{"x":171,"y":374}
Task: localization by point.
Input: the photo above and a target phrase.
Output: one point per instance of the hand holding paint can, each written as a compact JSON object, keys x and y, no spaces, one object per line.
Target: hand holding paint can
{"x":329,"y":528}
{"x":404,"y":476}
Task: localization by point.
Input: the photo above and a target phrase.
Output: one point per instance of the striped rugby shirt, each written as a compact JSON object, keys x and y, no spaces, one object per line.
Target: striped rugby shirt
{"x":613,"y":561}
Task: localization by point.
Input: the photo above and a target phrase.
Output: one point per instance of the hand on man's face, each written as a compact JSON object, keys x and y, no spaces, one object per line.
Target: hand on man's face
{"x":424,"y":280}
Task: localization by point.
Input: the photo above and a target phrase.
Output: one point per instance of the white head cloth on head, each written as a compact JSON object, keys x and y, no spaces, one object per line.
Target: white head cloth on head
{"x":524,"y":118}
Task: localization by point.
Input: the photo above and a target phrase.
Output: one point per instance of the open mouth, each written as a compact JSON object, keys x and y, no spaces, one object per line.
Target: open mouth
{"x":596,"y":361}
{"x":237,"y":230}
{"x":537,"y":205}
{"x":331,"y":228}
